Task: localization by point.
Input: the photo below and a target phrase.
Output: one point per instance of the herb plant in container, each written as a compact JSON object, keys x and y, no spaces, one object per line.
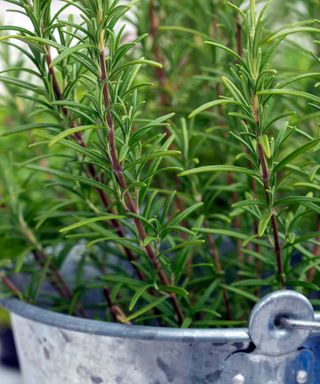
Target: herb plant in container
{"x":159,"y":177}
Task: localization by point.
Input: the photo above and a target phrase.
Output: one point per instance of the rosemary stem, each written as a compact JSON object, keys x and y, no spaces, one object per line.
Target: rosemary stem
{"x":118,"y":172}
{"x":10,"y":285}
{"x":92,"y":171}
{"x":116,"y":312}
{"x":265,"y":177}
{"x":160,"y":72}
{"x":56,"y":280}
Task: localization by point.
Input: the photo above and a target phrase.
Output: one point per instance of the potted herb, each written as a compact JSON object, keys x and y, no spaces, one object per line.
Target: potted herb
{"x":172,"y":182}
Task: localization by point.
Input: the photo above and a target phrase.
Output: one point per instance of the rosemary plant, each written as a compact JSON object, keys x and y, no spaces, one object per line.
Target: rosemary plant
{"x":171,"y":176}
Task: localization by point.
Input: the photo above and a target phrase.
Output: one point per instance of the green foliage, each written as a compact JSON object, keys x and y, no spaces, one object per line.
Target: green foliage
{"x":172,"y":169}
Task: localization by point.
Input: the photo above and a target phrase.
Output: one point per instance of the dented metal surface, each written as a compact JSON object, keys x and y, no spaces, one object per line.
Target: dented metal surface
{"x":55,"y":348}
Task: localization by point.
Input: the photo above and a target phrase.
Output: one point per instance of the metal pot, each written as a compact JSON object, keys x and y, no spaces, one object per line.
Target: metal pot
{"x":59,"y":349}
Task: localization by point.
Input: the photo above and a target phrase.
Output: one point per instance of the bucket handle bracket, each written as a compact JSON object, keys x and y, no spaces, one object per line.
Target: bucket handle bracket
{"x":279,"y":325}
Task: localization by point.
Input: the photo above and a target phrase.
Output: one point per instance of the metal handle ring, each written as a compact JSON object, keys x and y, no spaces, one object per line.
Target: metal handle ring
{"x":270,"y":319}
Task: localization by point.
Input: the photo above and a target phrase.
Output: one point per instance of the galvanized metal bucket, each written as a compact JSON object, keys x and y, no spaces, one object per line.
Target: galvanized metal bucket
{"x":279,"y":347}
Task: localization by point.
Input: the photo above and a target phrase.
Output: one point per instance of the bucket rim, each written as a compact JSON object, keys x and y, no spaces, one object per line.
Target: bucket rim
{"x":139,"y":332}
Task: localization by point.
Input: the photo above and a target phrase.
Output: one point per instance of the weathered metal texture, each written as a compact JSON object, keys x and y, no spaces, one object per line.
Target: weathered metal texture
{"x":56,"y":349}
{"x":51,"y":355}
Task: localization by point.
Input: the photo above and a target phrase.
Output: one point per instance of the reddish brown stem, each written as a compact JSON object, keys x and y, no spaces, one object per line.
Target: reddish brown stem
{"x":129,"y":202}
{"x":92,"y":171}
{"x":239,"y":38}
{"x":56,"y":280}
{"x":265,"y":177}
{"x":11,"y":286}
{"x":54,"y":275}
{"x":116,"y":312}
{"x":253,"y":187}
{"x":52,"y":73}
{"x":160,"y":72}
{"x":239,"y":44}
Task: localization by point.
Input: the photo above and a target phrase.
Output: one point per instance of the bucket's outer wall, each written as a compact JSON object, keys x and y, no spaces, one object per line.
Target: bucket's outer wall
{"x":50,"y":355}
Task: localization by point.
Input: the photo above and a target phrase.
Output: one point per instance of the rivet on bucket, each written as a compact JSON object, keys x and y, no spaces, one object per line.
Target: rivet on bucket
{"x":238,"y":379}
{"x":302,"y":377}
